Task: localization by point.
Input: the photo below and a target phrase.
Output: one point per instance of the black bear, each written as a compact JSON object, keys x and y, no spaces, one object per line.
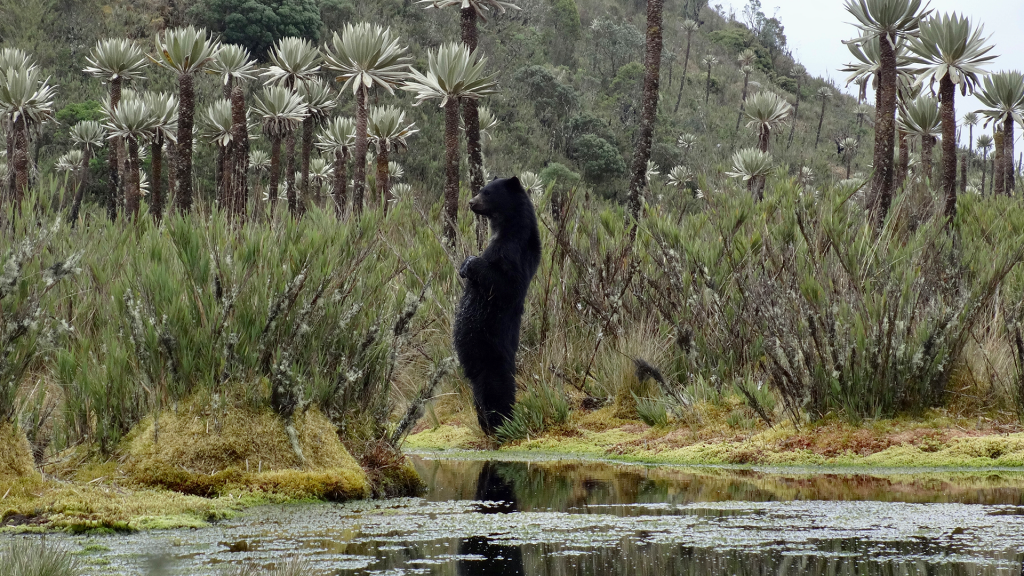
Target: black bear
{"x":486,"y":334}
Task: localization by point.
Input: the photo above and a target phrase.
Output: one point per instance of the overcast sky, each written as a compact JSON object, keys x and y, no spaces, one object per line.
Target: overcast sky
{"x":815,"y":28}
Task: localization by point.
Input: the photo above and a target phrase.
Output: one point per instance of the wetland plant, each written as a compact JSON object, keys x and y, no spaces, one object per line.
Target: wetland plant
{"x":652,"y":411}
{"x":34,"y":557}
{"x":541,"y":408}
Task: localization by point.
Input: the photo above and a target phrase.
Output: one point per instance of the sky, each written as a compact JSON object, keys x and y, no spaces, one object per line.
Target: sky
{"x":815,"y":29}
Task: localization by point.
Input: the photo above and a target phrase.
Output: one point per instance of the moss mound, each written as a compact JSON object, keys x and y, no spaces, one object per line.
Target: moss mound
{"x":193,"y":452}
{"x":15,"y":454}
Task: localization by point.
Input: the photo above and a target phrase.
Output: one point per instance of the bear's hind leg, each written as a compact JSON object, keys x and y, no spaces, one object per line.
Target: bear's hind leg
{"x":494,"y":394}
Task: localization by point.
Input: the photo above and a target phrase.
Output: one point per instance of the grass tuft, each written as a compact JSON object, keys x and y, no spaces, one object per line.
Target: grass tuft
{"x":34,"y":557}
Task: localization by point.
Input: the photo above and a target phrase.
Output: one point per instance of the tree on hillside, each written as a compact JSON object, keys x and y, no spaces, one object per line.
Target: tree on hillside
{"x":921,"y":118}
{"x":134,"y":122}
{"x":867,"y":67}
{"x":798,"y":71}
{"x":294,"y":61}
{"x":862,"y":88}
{"x":970,"y":120}
{"x":868,"y":64}
{"x":184,"y":51}
{"x":902,"y":162}
{"x":116,"y":60}
{"x":752,"y":166}
{"x":615,"y":43}
{"x":1003,"y":94}
{"x":598,"y":159}
{"x":950,"y":51}
{"x":320,"y":102}
{"x":766,"y":111}
{"x":688,"y":27}
{"x":848,"y":146}
{"x":336,"y":138}
{"x":767,"y":30}
{"x":708,"y":61}
{"x":453,"y":73}
{"x":163,"y":108}
{"x":388,"y":131}
{"x":319,"y":172}
{"x":259,"y":164}
{"x":470,"y":12}
{"x":984,"y":144}
{"x":215,"y":128}
{"x":234,"y":65}
{"x":686,"y":142}
{"x":863,"y":111}
{"x":566,"y":31}
{"x":745,"y":60}
{"x":823,"y":94}
{"x":89,"y":136}
{"x":365,"y":55}
{"x":691,"y":8}
{"x":648,"y":111}
{"x":28,"y":101}
{"x":16,"y":59}
{"x":888,"y":21}
{"x":281,"y":112}
{"x":906,"y":93}
{"x":258,"y":24}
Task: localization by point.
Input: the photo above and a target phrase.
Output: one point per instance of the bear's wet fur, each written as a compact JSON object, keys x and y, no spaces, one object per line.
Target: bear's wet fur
{"x":486,"y":332}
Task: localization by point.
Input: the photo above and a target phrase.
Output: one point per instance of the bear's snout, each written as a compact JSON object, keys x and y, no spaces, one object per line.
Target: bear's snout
{"x":474,"y":203}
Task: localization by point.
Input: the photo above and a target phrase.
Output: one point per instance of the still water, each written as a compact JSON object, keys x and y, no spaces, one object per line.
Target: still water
{"x":554,"y":518}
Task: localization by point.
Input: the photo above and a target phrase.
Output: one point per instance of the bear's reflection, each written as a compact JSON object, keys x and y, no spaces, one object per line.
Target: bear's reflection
{"x":497,"y":559}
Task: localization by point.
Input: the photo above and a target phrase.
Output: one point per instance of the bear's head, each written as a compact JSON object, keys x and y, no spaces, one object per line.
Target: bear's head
{"x":500,"y":198}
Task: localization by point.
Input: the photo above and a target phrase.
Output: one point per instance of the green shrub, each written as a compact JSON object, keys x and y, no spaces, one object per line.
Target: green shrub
{"x":25,"y":329}
{"x":652,"y":411}
{"x":286,"y":314}
{"x":540,"y":409}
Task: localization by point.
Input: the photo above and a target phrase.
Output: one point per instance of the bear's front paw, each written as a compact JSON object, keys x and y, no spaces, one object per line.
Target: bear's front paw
{"x":465,"y":266}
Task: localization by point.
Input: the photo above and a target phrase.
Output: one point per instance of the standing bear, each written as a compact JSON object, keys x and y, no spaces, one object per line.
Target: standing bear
{"x":486,"y":333}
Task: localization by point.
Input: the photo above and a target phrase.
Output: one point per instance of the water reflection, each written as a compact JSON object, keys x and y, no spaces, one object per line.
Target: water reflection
{"x":479,"y":556}
{"x":592,"y":519}
{"x":575,"y":486}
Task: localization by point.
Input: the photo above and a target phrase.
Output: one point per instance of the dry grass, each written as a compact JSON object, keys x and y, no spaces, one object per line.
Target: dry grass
{"x":206,"y":454}
{"x":15,"y":455}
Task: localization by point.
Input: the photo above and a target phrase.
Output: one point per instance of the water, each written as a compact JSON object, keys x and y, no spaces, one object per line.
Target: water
{"x":570,"y":518}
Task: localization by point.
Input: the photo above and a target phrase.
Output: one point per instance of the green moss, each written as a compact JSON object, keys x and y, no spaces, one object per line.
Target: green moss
{"x":976,"y":451}
{"x":242,"y":450}
{"x":898,"y":443}
{"x":166,"y":522}
{"x":33,"y":505}
{"x":445,"y":437}
{"x":93,"y":548}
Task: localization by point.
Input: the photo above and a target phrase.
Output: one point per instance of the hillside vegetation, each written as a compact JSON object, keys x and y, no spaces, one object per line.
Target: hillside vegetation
{"x":570,"y":75}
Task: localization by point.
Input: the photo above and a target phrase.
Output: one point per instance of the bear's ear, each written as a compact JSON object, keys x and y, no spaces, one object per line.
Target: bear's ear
{"x":515,"y":181}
